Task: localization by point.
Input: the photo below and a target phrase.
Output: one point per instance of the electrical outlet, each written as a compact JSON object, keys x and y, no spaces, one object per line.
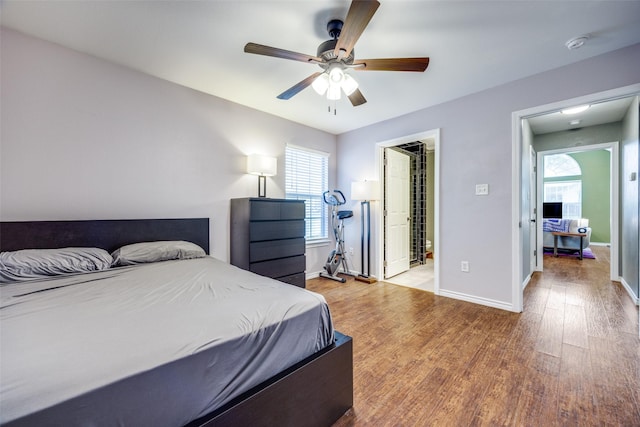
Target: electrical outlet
{"x":464,"y":266}
{"x":350,"y":251}
{"x":482,"y":189}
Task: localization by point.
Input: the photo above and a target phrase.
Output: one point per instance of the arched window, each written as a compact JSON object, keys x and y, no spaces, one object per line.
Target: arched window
{"x":563,"y":183}
{"x":557,"y":165}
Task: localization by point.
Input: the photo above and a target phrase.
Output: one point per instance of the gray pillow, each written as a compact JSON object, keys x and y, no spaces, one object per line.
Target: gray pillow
{"x":139,"y":253}
{"x":29,"y":264}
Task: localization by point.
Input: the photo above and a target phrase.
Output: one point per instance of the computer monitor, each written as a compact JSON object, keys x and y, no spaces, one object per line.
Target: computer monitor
{"x":552,"y":210}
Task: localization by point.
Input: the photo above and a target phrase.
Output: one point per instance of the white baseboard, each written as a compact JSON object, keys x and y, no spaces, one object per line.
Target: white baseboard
{"x":599,"y":244}
{"x":476,"y":300}
{"x":626,"y":286}
{"x":526,"y":281}
{"x":312,"y":275}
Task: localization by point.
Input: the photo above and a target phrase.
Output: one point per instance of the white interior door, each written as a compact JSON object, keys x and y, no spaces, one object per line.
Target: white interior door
{"x":397,"y":205}
{"x":533,"y":217}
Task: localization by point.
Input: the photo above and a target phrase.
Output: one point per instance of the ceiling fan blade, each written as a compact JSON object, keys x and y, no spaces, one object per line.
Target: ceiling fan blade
{"x":260,"y":49}
{"x":358,"y":17}
{"x":357,"y":98}
{"x":293,"y":90}
{"x":392,"y":64}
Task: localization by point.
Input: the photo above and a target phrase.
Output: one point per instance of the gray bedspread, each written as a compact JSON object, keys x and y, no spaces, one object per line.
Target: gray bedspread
{"x":152,"y":345}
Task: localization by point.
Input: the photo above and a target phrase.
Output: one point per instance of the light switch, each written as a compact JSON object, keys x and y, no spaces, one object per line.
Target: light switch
{"x":482,"y":189}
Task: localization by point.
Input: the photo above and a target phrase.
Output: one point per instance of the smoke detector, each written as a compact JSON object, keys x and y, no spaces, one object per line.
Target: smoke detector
{"x":576,"y":42}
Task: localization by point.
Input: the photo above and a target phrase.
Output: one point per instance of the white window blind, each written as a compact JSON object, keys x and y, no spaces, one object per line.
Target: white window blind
{"x":569,"y":190}
{"x":306,"y":178}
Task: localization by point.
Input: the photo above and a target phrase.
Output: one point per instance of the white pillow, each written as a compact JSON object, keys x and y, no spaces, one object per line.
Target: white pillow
{"x":29,"y":264}
{"x":139,"y":253}
{"x":576,"y":224}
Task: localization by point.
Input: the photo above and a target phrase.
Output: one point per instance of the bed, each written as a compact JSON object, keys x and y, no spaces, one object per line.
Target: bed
{"x":178,"y":368}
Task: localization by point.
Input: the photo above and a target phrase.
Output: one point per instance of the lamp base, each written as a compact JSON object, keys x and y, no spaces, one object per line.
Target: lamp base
{"x":366,"y":279}
{"x":262,"y":186}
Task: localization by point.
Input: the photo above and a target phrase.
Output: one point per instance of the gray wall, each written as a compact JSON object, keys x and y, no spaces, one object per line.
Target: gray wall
{"x":595,"y":181}
{"x":83,"y":138}
{"x":629,"y":195}
{"x":578,"y":138}
{"x":476,"y":147}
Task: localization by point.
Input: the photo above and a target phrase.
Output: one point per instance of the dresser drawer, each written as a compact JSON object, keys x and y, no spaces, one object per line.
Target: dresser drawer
{"x":276,"y":210}
{"x":272,"y":249}
{"x":272,"y":230}
{"x":299,"y":280}
{"x":279,"y":267}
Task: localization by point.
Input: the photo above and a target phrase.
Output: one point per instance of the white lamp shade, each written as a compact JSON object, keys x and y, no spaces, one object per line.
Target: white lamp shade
{"x":333,"y":94}
{"x":336,"y":75}
{"x":365,"y":190}
{"x":349,"y":84}
{"x":262,"y":165}
{"x":321,"y":84}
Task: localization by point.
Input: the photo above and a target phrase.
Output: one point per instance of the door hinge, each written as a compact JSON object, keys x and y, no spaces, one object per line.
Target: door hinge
{"x":385,"y":263}
{"x":535,"y":252}
{"x":535,"y":169}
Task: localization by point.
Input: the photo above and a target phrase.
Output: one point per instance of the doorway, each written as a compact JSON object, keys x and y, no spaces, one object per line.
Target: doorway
{"x":596,"y":205}
{"x":420,"y":156}
{"x":520,"y":168}
{"x":410,"y":232}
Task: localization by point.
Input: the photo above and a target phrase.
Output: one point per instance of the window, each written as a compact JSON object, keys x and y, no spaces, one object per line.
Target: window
{"x":306,"y":178}
{"x":567,"y":192}
{"x":559,"y":165}
{"x":563,"y":183}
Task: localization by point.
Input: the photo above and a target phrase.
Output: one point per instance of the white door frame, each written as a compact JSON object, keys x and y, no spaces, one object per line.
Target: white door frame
{"x":433,"y":134}
{"x":516,"y":166}
{"x":614,"y":198}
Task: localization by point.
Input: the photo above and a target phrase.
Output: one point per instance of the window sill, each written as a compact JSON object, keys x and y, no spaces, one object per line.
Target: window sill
{"x":317,"y":243}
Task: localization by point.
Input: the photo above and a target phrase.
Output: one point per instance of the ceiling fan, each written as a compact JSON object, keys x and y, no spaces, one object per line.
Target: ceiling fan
{"x":335,"y":56}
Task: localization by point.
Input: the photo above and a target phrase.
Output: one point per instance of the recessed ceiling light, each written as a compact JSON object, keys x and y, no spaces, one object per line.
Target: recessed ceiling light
{"x":574,"y":122}
{"x":576,"y":42}
{"x":575,"y":110}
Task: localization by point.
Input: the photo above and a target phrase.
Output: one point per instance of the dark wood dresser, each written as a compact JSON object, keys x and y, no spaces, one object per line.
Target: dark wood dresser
{"x":267,"y":238}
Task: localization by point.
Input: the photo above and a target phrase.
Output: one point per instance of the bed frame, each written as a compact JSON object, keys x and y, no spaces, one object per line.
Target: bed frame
{"x":315,"y":392}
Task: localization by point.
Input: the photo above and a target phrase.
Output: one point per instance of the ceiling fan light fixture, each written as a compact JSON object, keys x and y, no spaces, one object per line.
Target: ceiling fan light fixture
{"x":336,"y":75}
{"x":349,"y":84}
{"x":337,"y":55}
{"x":321,"y":84}
{"x":333,"y":94}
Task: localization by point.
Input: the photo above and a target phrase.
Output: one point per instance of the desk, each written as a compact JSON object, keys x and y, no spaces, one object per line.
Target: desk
{"x":562,"y":233}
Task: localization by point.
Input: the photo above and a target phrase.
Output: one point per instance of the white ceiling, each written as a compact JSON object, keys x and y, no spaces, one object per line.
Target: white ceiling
{"x":473,"y":45}
{"x":596,"y":114}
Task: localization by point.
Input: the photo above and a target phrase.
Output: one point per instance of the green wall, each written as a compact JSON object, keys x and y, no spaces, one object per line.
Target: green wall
{"x":596,"y":191}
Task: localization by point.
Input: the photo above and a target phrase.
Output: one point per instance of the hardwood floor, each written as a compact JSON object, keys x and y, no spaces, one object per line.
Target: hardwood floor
{"x":571,"y":358}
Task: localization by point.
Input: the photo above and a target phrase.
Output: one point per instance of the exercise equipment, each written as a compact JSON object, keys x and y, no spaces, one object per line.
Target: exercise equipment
{"x":338,"y":256}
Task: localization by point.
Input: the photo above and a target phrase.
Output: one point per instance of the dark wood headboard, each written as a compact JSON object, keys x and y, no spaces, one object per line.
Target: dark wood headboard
{"x":109,"y":234}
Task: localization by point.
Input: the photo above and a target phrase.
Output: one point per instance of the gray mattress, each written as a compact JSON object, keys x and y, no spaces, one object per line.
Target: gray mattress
{"x":158,"y":344}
